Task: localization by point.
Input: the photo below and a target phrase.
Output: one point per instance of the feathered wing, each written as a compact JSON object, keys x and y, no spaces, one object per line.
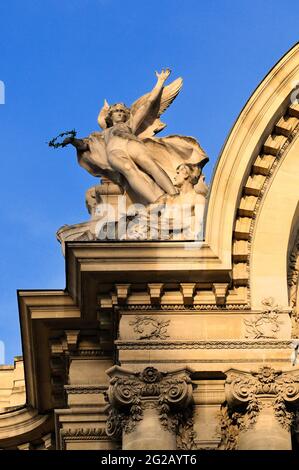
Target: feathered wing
{"x":102,"y":115}
{"x":152,"y":124}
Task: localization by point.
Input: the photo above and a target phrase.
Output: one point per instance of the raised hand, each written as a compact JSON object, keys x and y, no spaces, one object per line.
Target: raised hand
{"x":162,"y":77}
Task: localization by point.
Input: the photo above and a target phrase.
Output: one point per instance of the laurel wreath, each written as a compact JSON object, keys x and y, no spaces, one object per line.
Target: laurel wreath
{"x":55,"y":144}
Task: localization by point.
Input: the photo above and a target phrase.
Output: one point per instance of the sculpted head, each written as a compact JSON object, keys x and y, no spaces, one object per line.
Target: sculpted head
{"x":117,"y":113}
{"x":187,"y":173}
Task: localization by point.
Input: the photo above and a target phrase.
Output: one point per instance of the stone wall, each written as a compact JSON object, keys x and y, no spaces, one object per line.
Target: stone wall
{"x":12,"y":384}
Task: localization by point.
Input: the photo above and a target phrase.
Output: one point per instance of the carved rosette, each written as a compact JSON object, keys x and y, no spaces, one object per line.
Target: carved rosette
{"x":129,"y":394}
{"x":247,"y":394}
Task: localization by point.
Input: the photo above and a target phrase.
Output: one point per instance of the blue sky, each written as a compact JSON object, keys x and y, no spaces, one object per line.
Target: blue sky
{"x":60,"y":59}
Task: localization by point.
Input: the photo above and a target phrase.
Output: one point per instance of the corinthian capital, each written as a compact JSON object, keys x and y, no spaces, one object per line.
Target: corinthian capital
{"x":130,"y":393}
{"x":265,"y":388}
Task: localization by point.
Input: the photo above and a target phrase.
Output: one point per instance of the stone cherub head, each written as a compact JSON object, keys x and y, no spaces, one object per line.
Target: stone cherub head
{"x":189,"y":177}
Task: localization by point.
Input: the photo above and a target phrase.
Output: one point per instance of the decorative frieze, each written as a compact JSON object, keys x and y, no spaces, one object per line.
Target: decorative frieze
{"x":81,"y":435}
{"x":203,"y":344}
{"x":84,"y":389}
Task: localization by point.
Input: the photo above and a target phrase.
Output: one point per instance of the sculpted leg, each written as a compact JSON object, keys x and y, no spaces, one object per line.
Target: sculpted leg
{"x":143,"y":159}
{"x":120,"y":162}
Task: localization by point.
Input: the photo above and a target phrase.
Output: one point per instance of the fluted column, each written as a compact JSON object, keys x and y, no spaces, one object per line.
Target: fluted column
{"x":259,"y":409}
{"x":146,"y":407}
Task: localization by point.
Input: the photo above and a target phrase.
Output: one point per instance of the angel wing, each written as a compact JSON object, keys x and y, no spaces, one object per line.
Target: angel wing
{"x":102,"y":115}
{"x":152,"y":124}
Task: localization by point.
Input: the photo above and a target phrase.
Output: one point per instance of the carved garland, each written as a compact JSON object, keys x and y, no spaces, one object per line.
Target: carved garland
{"x":266,"y":324}
{"x":147,"y":327}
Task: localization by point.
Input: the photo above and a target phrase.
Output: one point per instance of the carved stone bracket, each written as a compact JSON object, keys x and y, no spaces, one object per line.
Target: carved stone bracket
{"x":65,"y":343}
{"x":155,"y":291}
{"x":220,"y":291}
{"x":187,"y":290}
{"x":72,"y":338}
{"x":181,"y":296}
{"x":130,"y":394}
{"x":122,"y":292}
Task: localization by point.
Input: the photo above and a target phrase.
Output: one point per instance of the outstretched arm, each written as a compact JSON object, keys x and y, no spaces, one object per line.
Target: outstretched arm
{"x":161,"y":79}
{"x":151,"y":99}
{"x":80,"y":144}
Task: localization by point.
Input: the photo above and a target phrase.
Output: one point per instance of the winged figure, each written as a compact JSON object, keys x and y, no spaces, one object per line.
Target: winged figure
{"x":126,"y":150}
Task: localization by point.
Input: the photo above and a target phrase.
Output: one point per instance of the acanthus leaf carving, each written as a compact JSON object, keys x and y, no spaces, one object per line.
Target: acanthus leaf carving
{"x":130,"y":395}
{"x":186,"y":435}
{"x":250,"y":393}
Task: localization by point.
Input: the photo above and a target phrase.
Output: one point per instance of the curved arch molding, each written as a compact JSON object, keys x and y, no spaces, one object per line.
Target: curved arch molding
{"x":256,"y":176}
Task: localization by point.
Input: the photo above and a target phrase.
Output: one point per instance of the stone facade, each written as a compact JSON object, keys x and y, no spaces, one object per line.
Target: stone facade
{"x":177,"y":344}
{"x":12,"y":385}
